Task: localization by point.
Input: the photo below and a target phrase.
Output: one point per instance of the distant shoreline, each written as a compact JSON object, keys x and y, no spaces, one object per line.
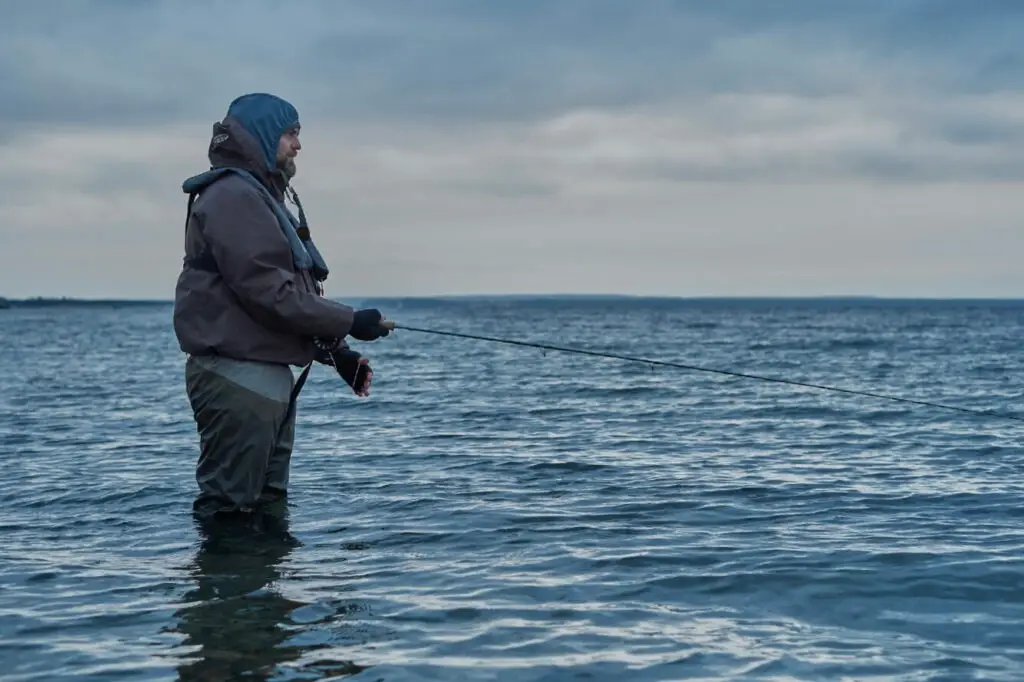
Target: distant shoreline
{"x":68,"y":302}
{"x":43,"y":302}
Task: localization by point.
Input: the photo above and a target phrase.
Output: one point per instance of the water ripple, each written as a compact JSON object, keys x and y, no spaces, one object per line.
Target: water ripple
{"x":499,"y":513}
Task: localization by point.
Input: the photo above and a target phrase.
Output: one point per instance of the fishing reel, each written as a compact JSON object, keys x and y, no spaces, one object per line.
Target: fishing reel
{"x":326,"y":345}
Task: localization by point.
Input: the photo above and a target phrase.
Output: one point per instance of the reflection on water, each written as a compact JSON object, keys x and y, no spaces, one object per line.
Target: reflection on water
{"x":236,"y":623}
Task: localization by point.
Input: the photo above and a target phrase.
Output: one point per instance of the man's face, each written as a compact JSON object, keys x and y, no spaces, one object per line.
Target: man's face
{"x":287,"y":147}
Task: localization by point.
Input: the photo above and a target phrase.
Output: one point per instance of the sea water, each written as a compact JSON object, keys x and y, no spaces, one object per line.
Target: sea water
{"x":495,"y":512}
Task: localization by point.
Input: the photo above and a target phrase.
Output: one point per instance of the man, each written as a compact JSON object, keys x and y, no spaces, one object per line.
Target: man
{"x":249,"y":305}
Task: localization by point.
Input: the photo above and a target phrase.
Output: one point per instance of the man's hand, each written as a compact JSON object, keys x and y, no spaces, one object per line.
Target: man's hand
{"x":354,"y":369}
{"x":366,"y":325}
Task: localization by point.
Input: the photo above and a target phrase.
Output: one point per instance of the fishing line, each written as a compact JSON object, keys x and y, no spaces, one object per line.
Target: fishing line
{"x":695,"y":368}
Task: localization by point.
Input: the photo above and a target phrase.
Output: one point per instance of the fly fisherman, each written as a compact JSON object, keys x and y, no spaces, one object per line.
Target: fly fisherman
{"x":249,"y":305}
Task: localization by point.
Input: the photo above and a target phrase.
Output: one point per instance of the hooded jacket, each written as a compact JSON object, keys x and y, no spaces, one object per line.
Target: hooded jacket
{"x":249,"y":287}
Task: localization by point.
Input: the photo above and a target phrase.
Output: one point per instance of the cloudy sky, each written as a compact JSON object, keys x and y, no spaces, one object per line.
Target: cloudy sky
{"x":796,"y":147}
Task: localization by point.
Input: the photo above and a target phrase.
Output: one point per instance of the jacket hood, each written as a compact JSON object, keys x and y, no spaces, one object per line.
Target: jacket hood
{"x":266,"y":117}
{"x":231,"y":146}
{"x":247,"y":138}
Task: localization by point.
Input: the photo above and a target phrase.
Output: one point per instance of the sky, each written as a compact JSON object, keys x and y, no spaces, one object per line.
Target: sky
{"x":727,"y":148}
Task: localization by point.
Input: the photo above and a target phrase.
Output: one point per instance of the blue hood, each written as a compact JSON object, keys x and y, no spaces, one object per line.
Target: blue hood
{"x":266,"y":117}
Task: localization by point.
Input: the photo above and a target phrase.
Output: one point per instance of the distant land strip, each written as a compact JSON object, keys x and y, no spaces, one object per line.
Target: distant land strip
{"x":554,"y":298}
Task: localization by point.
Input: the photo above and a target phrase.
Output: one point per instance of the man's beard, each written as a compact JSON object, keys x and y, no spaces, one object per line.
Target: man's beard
{"x":287,"y":168}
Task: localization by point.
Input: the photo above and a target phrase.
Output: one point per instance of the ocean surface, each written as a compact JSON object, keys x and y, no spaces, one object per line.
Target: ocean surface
{"x":496,"y":512}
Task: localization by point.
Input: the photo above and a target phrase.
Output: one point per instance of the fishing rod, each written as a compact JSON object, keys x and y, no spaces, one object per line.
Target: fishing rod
{"x":391,"y":325}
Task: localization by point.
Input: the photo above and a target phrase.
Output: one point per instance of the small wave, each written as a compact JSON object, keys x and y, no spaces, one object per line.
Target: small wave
{"x":569,"y":467}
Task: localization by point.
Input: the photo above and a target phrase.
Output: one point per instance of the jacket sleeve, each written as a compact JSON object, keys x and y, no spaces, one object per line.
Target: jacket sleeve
{"x":255,"y":260}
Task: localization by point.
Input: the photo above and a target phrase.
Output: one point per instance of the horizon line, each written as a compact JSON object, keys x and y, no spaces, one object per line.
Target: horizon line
{"x":70,"y":300}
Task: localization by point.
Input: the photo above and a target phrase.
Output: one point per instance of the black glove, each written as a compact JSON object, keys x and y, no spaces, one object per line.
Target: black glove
{"x":366,"y":325}
{"x":357,"y":375}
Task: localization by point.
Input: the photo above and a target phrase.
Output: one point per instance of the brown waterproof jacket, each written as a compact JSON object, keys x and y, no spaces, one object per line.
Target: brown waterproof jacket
{"x":239,"y":293}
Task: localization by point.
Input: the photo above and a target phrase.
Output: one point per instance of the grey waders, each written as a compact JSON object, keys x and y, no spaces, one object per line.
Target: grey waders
{"x":245,"y":416}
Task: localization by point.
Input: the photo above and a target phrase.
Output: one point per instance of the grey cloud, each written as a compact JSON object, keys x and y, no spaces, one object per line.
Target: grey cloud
{"x":980,"y":131}
{"x":907,"y":64}
{"x":158,"y":61}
